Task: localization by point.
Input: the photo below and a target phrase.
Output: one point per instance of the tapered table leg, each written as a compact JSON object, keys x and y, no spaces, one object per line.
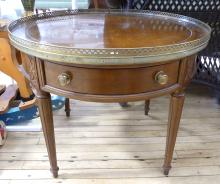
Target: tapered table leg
{"x":45,"y":110}
{"x":147,"y":107}
{"x":67,"y":107}
{"x":176,"y":106}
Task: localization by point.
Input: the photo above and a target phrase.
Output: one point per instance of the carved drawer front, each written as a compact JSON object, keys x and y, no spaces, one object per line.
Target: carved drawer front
{"x":111,"y":81}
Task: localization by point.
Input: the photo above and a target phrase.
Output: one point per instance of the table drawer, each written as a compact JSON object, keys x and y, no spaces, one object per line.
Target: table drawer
{"x":110,"y":81}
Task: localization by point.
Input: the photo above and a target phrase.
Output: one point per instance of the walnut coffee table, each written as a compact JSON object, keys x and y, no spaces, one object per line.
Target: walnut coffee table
{"x":109,"y":56}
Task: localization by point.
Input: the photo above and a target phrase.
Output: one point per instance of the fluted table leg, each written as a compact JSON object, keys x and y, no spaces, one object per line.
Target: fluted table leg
{"x":45,"y":110}
{"x":176,"y":106}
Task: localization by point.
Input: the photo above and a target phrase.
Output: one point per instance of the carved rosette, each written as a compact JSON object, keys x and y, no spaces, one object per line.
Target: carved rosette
{"x":33,"y":72}
{"x":33,"y":66}
{"x":190,"y":70}
{"x":30,"y":65}
{"x":187,"y":71}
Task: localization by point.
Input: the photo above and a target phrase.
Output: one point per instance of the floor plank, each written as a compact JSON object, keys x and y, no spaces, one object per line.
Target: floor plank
{"x":161,"y":180}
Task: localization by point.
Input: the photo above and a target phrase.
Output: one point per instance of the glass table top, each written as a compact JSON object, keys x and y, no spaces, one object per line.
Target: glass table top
{"x":110,"y":33}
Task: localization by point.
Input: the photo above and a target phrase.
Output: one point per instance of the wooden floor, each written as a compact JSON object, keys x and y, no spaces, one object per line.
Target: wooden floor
{"x":104,"y":143}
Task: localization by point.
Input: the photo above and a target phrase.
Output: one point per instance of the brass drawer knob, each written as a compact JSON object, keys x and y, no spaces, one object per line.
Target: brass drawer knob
{"x":161,"y":78}
{"x":64,"y":79}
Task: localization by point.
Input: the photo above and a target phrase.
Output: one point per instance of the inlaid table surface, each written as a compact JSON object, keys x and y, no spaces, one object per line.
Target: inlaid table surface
{"x":109,"y":56}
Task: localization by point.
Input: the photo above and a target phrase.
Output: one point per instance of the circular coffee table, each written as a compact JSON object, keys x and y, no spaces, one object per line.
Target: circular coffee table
{"x":109,"y":56}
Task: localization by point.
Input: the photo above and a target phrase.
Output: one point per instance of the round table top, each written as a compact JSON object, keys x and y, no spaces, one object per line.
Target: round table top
{"x":108,"y":37}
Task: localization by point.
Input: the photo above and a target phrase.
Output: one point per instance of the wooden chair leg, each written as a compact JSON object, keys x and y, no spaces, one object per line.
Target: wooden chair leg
{"x":147,"y":107}
{"x":8,"y":67}
{"x":67,"y":107}
{"x":176,"y":106}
